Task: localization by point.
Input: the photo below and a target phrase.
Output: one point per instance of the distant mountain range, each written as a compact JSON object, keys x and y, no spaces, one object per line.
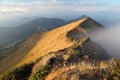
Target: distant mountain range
{"x":11,"y":34}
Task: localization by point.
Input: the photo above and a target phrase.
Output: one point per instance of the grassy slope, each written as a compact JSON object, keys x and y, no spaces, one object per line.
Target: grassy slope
{"x":69,"y":63}
{"x":39,"y":45}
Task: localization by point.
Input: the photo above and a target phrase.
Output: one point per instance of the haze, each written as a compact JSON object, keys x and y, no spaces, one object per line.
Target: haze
{"x":109,"y":39}
{"x":16,"y":12}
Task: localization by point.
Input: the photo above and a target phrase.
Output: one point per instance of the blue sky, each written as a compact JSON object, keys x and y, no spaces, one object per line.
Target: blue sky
{"x":96,"y":1}
{"x":15,"y":9}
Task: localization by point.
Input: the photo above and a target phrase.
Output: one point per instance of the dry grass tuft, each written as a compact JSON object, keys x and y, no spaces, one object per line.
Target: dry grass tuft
{"x":81,"y":71}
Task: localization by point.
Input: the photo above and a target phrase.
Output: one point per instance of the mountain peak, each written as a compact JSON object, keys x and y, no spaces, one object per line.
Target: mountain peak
{"x":84,"y":16}
{"x":51,"y":41}
{"x":88,"y":24}
{"x":91,"y":24}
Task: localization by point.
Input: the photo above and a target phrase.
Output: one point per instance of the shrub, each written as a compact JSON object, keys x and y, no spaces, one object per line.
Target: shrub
{"x":40,"y":73}
{"x":115,"y":69}
{"x":19,"y":73}
{"x":77,"y":50}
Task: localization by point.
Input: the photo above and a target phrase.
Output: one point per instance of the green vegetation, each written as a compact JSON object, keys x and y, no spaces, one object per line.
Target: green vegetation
{"x":20,"y":73}
{"x":40,"y":73}
{"x":77,"y":50}
{"x":72,"y":61}
{"x":108,"y":70}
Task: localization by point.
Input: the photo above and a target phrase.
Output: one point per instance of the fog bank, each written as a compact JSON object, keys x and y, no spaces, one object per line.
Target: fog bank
{"x":109,"y":39}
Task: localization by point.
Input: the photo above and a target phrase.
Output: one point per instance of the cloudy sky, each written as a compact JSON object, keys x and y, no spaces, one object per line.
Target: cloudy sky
{"x":11,"y":10}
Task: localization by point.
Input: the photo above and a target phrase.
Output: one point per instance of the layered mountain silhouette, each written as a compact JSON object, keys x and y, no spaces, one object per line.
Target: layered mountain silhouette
{"x":9,"y":35}
{"x":66,"y":53}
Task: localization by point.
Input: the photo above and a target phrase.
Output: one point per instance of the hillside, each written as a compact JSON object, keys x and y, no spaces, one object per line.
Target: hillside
{"x":73,"y":63}
{"x":6,"y":35}
{"x":66,"y":53}
{"x":9,"y":35}
{"x":41,"y":44}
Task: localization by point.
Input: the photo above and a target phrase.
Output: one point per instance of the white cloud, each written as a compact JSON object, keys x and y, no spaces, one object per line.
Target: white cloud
{"x":54,"y":4}
{"x":54,"y":1}
{"x":51,"y":7}
{"x":11,"y":9}
{"x":94,"y":9}
{"x":109,"y":39}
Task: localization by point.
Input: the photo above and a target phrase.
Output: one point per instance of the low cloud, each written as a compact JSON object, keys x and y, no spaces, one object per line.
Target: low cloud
{"x":109,"y":39}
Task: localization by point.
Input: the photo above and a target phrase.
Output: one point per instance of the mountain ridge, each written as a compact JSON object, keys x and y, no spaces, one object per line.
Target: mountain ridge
{"x":9,"y":35}
{"x":41,"y":44}
{"x":67,"y":52}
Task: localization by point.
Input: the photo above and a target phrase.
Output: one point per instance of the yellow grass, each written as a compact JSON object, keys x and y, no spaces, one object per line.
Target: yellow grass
{"x":74,"y":71}
{"x":39,"y":45}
